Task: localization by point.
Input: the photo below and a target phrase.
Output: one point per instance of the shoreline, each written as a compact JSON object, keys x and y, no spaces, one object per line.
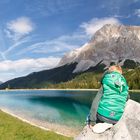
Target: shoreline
{"x":58,"y":129}
{"x":67,"y":89}
{"x":48,"y":89}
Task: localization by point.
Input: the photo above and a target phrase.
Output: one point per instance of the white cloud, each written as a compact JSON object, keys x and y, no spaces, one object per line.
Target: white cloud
{"x":18,"y":28}
{"x":25,"y":66}
{"x":96,"y":23}
{"x":21,"y":25}
{"x":137,"y":12}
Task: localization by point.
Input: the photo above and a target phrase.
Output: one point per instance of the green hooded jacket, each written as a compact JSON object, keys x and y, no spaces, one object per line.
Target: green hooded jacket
{"x":115,"y":92}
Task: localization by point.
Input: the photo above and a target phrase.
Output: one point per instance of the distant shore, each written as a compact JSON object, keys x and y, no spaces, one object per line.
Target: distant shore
{"x":49,"y":89}
{"x":133,"y":90}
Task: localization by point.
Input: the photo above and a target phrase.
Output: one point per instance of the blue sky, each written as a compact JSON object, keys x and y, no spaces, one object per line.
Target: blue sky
{"x":35,"y":34}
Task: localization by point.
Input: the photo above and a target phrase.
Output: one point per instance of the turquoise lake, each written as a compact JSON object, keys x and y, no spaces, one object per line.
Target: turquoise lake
{"x":64,"y":107}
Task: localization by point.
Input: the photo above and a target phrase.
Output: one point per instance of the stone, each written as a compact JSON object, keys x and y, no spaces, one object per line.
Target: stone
{"x":128,"y":127}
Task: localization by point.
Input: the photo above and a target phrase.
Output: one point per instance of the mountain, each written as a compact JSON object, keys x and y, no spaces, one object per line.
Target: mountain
{"x":111,"y":44}
{"x":39,"y":79}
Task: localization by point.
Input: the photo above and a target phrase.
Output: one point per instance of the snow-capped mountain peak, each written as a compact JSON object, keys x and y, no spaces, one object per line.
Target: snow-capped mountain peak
{"x":111,"y":43}
{"x":73,"y":56}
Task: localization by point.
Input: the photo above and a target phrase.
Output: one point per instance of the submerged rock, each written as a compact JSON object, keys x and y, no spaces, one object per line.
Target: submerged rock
{"x":128,"y":128}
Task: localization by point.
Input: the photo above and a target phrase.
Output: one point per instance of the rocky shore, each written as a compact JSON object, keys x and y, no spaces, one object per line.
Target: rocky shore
{"x":128,"y":128}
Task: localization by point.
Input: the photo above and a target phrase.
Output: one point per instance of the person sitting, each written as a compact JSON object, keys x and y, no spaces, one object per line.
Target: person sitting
{"x":109,"y":103}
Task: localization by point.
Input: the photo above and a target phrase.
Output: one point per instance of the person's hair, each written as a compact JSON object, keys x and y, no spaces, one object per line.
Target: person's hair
{"x":115,"y":68}
{"x":118,"y":68}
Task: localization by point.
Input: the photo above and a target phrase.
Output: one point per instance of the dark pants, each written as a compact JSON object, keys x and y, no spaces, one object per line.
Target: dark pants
{"x":102,"y":119}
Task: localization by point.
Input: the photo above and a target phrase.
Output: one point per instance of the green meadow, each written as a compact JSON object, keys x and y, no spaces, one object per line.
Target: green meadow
{"x":12,"y":128}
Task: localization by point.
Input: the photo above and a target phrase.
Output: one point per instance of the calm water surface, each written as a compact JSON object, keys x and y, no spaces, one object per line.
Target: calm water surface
{"x":67,"y":108}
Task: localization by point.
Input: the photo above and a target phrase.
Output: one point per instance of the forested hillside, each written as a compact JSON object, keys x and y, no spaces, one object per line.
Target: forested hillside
{"x":91,"y":80}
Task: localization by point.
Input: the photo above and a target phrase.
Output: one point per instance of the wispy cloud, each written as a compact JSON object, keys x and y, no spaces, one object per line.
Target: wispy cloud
{"x":66,"y":43}
{"x":17,"y":32}
{"x":122,"y":16}
{"x":118,"y":8}
{"x":96,"y":23}
{"x":137,"y":12}
{"x":18,"y":28}
{"x":25,"y":66}
{"x":59,"y":45}
{"x":5,"y":53}
{"x":16,"y":44}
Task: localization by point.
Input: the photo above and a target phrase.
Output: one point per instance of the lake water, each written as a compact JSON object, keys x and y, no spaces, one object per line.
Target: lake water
{"x":66,"y":108}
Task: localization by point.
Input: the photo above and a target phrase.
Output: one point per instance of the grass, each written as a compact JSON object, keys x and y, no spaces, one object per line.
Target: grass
{"x":12,"y":128}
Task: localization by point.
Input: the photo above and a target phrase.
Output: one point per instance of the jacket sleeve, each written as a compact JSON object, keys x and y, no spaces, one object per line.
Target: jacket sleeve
{"x":94,"y":107}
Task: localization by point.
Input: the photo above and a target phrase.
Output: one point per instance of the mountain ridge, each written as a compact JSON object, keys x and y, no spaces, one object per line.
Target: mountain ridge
{"x":117,"y":44}
{"x":111,"y":43}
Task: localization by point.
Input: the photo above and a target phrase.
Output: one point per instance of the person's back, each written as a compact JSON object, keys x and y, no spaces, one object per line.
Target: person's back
{"x":115,"y":92}
{"x":109,"y":103}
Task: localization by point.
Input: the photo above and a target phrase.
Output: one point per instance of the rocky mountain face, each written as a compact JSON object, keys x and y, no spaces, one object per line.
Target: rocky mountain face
{"x":112,"y":43}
